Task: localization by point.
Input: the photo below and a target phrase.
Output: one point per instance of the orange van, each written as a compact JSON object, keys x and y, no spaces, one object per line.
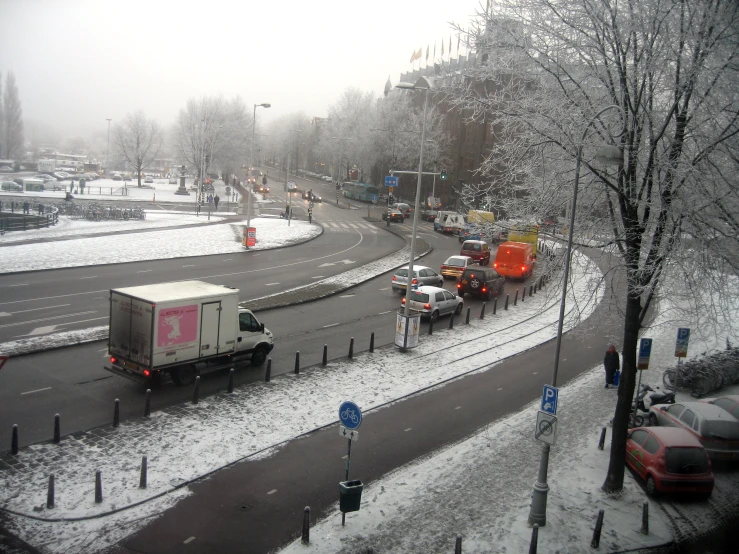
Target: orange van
{"x":514,"y":260}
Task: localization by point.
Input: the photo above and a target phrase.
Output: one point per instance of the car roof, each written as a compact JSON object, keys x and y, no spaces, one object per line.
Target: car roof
{"x":709,"y":412}
{"x":473,"y":242}
{"x":415,"y":267}
{"x":428,"y":289}
{"x":479,"y":269}
{"x":460,"y":257}
{"x":673,"y":436}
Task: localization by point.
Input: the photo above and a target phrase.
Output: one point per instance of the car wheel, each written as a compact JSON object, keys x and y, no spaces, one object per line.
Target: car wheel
{"x":459,"y":308}
{"x":653,"y":421}
{"x":434,"y":316}
{"x":651,"y":486}
{"x":259,"y":356}
{"x":184,"y":375}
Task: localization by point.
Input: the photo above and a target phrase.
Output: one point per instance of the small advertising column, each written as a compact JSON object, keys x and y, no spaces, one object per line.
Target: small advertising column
{"x":249,"y":238}
{"x":406,"y":329}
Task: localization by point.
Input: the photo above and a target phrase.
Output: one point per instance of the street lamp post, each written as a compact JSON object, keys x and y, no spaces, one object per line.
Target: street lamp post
{"x":424,"y":85}
{"x":107,"y":151}
{"x":251,"y":158}
{"x":609,"y":155}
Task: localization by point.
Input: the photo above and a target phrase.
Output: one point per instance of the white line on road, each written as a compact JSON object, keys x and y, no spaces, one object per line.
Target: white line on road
{"x":46,"y":319}
{"x":458,"y":408}
{"x":318,"y":277}
{"x":145,"y":271}
{"x":386,"y":288}
{"x":37,"y":390}
{"x":189,"y":540}
{"x":272,"y":491}
{"x":35,"y":309}
{"x":21,"y":285}
{"x":347,"y":295}
{"x":228,"y":259}
{"x":406,"y":430}
{"x":90,"y":277}
{"x":270,"y":284}
{"x":189,"y":265}
{"x":332,"y":325}
{"x":383,"y":313}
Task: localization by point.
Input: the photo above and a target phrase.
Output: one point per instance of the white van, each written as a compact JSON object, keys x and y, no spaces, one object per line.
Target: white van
{"x":449,"y":222}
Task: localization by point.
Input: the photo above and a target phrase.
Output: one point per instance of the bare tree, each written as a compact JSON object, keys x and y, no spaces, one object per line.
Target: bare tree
{"x":138,"y":140}
{"x":12,"y":119}
{"x":551,"y":71}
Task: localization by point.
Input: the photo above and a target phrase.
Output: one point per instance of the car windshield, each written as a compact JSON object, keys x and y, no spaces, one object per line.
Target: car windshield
{"x":686,"y":460}
{"x":722,"y":430}
{"x":458,"y":262}
{"x":419,"y":296}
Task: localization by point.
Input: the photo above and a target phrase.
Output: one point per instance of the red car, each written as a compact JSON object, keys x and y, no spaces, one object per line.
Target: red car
{"x":669,"y":459}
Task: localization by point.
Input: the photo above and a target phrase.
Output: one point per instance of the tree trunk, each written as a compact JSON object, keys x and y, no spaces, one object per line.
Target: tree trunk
{"x":616,"y":466}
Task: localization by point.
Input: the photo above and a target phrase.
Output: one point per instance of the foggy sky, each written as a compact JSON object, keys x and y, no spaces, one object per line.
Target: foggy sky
{"x":79,"y":62}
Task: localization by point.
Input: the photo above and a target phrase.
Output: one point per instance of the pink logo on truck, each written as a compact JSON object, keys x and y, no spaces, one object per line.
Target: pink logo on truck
{"x":177,"y":325}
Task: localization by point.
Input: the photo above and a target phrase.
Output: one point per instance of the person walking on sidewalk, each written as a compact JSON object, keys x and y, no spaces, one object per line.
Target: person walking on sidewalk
{"x":216,"y":199}
{"x":611,"y":364}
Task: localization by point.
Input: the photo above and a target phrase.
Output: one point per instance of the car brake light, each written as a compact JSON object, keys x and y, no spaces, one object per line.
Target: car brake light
{"x":402,"y":300}
{"x":147,"y":373}
{"x":113,"y":360}
{"x":484,"y":289}
{"x":427,"y":306}
{"x":395,"y":278}
{"x":415,"y":281}
{"x":459,"y":285}
{"x":472,"y":276}
{"x":523,"y":268}
{"x":495,"y":264}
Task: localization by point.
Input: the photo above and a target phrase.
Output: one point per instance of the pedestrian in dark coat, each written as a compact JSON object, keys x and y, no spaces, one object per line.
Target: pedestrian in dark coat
{"x":216,"y":199}
{"x":611,"y":363}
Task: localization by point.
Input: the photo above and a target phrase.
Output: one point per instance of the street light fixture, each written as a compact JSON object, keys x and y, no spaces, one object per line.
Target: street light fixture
{"x":424,"y":85}
{"x":611,"y":155}
{"x":251,"y":158}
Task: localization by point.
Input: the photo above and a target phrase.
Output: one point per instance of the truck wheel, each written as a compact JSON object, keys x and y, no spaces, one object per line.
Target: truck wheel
{"x":184,"y":375}
{"x":259,"y":356}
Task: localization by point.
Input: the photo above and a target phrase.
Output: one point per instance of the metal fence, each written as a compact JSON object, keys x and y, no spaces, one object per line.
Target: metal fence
{"x":17,"y":215}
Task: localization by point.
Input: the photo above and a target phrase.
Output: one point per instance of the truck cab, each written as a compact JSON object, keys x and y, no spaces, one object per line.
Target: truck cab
{"x":253,"y":338}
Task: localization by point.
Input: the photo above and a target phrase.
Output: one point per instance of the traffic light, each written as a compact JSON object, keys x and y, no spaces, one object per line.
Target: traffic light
{"x":390,"y":199}
{"x":443,"y":174}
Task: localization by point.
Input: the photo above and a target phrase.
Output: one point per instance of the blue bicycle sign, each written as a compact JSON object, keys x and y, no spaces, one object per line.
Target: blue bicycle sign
{"x":350,"y":415}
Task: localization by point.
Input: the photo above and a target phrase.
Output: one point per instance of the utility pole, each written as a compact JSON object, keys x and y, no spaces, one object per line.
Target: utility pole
{"x":107,"y":151}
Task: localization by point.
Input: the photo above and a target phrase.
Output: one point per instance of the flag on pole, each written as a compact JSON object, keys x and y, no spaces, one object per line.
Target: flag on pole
{"x":413,"y":57}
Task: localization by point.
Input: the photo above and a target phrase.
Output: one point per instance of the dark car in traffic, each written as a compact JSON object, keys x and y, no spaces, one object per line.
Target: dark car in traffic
{"x":480,"y":281}
{"x":395,"y":215}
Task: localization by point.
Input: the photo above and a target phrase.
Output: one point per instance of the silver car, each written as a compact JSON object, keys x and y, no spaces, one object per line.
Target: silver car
{"x":422,"y":275}
{"x":715,"y":428}
{"x":433,"y":302}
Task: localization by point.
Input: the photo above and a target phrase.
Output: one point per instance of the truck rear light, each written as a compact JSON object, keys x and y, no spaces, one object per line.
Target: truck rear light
{"x":495,"y":264}
{"x":113,"y":360}
{"x":147,"y":373}
{"x":523,"y":268}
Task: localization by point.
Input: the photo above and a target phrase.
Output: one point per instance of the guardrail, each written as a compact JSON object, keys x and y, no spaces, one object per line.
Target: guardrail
{"x":16,"y":215}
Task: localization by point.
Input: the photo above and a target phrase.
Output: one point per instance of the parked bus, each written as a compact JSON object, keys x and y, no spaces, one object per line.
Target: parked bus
{"x":361,"y":191}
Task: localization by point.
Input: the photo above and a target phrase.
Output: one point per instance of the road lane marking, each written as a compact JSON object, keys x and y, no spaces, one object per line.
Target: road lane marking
{"x":458,"y":408}
{"x":332,"y":325}
{"x":501,"y":388}
{"x":2,"y":314}
{"x":90,"y":277}
{"x":189,"y":540}
{"x":189,"y":265}
{"x":383,"y":313}
{"x":318,"y":277}
{"x":21,"y":285}
{"x":37,"y":390}
{"x":145,"y":271}
{"x":270,"y":284}
{"x":45,"y":319}
{"x":272,"y":491}
{"x":385,"y":288}
{"x":347,"y":295}
{"x":228,"y":260}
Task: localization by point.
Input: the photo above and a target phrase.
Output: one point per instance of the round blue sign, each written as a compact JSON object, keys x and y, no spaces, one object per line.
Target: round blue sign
{"x":350,"y":415}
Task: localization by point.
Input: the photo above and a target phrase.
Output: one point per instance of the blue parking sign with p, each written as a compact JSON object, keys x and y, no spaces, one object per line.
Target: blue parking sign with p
{"x":549,"y":399}
{"x":645,"y":351}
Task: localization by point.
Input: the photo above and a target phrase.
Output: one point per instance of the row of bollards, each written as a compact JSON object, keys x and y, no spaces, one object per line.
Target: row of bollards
{"x":50,"y":500}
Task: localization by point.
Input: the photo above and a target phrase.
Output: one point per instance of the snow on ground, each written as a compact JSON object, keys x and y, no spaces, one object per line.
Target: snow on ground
{"x":480,"y":487}
{"x":222,"y":238}
{"x":69,"y":227}
{"x":253,"y":421}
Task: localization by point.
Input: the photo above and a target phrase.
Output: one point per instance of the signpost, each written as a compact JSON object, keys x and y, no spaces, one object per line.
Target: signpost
{"x":546,"y":427}
{"x":391,"y":181}
{"x":350,"y":417}
{"x":645,"y":351}
{"x":681,"y":345}
{"x":251,"y":237}
{"x":549,"y":400}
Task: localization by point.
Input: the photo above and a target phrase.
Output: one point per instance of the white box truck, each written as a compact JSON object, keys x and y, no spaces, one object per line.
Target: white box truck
{"x":181,"y":329}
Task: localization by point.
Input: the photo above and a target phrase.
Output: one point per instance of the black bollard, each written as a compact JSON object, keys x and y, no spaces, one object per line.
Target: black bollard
{"x":645,"y":519}
{"x":14,"y":440}
{"x":535,"y":284}
{"x":325,"y":355}
{"x":196,"y":392}
{"x":531,"y":290}
{"x":50,"y":493}
{"x":57,"y":429}
{"x":534,"y":539}
{"x":482,"y":311}
{"x":305,"y":537}
{"x":495,"y":306}
{"x":117,"y":413}
{"x":268,"y":374}
{"x":147,"y":403}
{"x":467,"y":319}
{"x":602,"y":440}
{"x":372,"y":342}
{"x":523,"y":294}
{"x":506,"y":302}
{"x":231,"y":380}
{"x":98,"y":486}
{"x":595,"y":543}
{"x":458,"y":545}
{"x":515,"y":299}
{"x":451,"y":321}
{"x":351,"y":348}
{"x":142,"y":478}
{"x":297,"y":363}
{"x":431,"y":326}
